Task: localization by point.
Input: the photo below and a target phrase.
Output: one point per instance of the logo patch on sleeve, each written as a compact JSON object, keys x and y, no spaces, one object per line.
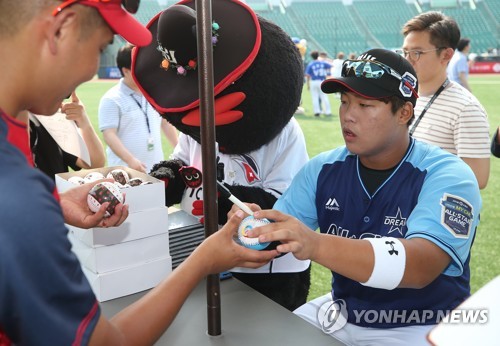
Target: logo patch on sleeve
{"x":456,"y":215}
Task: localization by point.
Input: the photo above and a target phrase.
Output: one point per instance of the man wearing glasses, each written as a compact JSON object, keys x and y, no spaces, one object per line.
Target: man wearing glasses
{"x":396,"y":216}
{"x":446,"y":114}
{"x":48,"y":48}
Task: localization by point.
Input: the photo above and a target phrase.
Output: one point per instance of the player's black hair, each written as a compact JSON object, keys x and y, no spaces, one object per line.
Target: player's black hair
{"x":395,"y":101}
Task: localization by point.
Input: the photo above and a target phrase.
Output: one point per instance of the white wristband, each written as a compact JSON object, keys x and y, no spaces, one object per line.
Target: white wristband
{"x":390,"y":263}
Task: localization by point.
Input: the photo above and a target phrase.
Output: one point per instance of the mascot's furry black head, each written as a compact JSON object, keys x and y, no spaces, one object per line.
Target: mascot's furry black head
{"x":258,"y":79}
{"x":258,"y":74}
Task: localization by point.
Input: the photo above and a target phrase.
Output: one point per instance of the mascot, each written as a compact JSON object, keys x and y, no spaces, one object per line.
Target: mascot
{"x":260,"y":146}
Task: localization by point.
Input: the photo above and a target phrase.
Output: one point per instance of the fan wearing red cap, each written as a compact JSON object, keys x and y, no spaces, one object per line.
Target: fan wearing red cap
{"x":48,"y":48}
{"x":397,"y":217}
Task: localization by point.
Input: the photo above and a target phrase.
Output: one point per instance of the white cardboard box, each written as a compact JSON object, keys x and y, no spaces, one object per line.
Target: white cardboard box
{"x":130,"y":280}
{"x":138,"y":225}
{"x":101,"y":259}
{"x":138,"y":198}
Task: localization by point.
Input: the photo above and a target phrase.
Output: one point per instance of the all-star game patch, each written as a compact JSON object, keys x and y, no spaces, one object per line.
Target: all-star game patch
{"x":456,"y":215}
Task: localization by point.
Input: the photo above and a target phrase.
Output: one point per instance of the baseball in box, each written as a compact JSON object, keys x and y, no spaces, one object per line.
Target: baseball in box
{"x":139,"y":198}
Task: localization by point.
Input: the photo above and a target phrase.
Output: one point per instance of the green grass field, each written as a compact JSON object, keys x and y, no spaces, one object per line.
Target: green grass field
{"x":324,"y":133}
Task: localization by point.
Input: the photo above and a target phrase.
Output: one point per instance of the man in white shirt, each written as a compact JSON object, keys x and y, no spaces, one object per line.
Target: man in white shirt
{"x":131,"y":127}
{"x":446,"y":114}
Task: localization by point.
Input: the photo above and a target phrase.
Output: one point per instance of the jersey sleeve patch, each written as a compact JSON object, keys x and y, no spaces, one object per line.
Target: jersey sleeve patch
{"x":456,"y":215}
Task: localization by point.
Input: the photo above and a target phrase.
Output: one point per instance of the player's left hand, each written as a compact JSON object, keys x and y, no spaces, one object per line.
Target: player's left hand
{"x":294,"y":236}
{"x":77,"y":213}
{"x":220,"y":252}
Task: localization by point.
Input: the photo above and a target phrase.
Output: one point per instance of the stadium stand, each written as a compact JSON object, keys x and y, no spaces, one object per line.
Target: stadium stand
{"x":383,"y":23}
{"x":147,"y":10}
{"x":494,"y":7}
{"x":473,"y":24}
{"x":357,"y":25}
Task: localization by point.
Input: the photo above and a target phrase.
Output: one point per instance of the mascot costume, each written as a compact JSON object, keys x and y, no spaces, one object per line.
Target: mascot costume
{"x":260,"y":147}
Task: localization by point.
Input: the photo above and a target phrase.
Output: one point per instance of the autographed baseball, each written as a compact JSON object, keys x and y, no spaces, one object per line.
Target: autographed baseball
{"x":102,"y":193}
{"x":77,"y":180}
{"x":135,"y":181}
{"x":93,"y":176}
{"x":247,"y":224}
{"x":119,"y":175}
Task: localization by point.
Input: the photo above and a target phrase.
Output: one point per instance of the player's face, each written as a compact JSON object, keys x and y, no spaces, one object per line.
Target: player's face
{"x":431,"y":63}
{"x":372,"y":131}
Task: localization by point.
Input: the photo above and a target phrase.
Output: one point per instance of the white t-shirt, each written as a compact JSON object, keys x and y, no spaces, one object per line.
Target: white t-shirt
{"x":125,"y":110}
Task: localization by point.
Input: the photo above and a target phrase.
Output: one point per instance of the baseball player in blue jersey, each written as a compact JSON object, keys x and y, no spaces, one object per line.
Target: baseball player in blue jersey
{"x":397,"y":217}
{"x":316,"y":72}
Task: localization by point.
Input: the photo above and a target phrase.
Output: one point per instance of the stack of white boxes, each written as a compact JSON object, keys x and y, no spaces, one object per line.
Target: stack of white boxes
{"x":132,"y":257}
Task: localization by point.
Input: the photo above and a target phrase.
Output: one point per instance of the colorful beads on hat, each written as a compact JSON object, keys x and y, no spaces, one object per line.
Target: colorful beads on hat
{"x":168,"y":61}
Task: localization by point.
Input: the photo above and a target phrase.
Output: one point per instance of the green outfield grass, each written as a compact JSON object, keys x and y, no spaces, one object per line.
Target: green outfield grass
{"x":324,"y":133}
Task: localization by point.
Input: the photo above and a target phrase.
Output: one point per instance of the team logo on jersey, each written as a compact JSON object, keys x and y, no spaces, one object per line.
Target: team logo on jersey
{"x":456,"y":215}
{"x":332,"y":315}
{"x":250,"y":168}
{"x":397,"y":222}
{"x":332,"y":204}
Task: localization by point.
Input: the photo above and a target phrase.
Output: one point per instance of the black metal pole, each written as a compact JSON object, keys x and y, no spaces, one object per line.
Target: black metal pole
{"x":206,"y":91}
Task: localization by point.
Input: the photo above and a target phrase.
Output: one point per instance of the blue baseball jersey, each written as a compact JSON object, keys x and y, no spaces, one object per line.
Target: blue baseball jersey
{"x":318,"y":70}
{"x":45,"y":298}
{"x":431,"y":194}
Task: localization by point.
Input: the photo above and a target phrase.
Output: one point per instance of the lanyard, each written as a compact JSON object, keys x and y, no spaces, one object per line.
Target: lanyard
{"x":143,"y":112}
{"x":428,"y":105}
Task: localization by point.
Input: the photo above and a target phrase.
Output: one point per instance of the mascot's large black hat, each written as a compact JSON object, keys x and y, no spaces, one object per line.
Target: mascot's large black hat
{"x":258,"y":74}
{"x":234,"y":25}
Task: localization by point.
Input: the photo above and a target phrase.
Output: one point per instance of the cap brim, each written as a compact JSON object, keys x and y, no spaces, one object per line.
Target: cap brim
{"x":361,"y":86}
{"x":125,"y":25}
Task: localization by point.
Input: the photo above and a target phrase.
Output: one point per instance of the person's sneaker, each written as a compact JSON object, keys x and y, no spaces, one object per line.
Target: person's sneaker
{"x":316,"y":114}
{"x":329,"y":115}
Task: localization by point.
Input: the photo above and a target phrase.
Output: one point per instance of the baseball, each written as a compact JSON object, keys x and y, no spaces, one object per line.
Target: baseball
{"x":119,"y":175}
{"x":77,"y":180}
{"x":93,"y":176}
{"x":104,"y":192}
{"x":135,"y":181}
{"x":247,"y":224}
